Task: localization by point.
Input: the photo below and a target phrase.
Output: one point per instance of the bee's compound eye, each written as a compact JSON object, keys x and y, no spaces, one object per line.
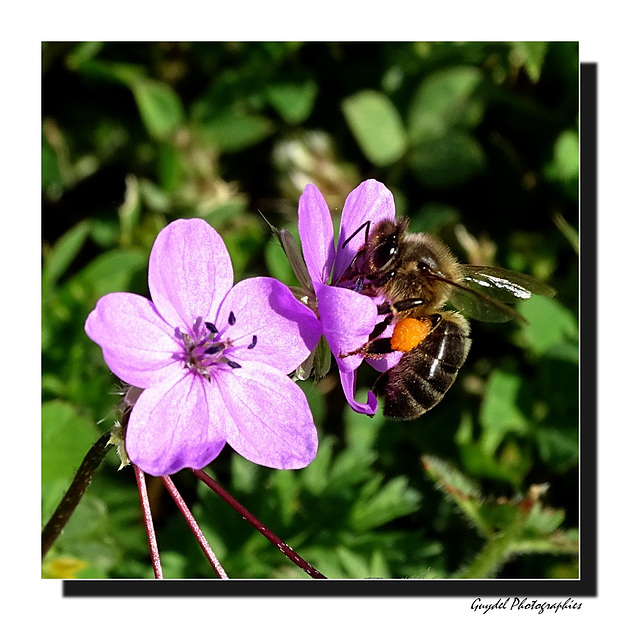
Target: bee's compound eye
{"x":429,"y":264}
{"x":385,"y":252}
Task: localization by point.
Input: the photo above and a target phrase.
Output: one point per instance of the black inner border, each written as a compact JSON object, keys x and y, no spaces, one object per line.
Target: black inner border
{"x":586,"y":585}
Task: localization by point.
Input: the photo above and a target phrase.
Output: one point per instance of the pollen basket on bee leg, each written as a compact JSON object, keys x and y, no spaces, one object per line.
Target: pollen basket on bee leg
{"x":409,"y":333}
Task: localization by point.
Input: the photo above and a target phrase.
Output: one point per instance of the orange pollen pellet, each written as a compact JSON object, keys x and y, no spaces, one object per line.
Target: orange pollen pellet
{"x":409,"y":333}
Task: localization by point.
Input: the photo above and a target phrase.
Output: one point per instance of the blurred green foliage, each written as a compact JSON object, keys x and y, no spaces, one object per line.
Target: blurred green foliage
{"x":479,"y":144}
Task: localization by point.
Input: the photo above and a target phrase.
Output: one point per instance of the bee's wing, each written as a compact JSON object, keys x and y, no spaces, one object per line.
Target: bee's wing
{"x":503,"y":284}
{"x":483,"y":292}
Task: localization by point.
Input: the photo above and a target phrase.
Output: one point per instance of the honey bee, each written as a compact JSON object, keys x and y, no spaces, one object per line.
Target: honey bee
{"x":417,"y":275}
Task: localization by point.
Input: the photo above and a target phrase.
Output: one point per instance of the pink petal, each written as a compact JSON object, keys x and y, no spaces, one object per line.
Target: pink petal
{"x":316,"y":234}
{"x":190,"y":272}
{"x":271,"y":423}
{"x":385,"y":362}
{"x":348,"y":318}
{"x":370,"y":202}
{"x":348,"y":381}
{"x":286,"y":331}
{"x":137,"y":344}
{"x":178,"y":424}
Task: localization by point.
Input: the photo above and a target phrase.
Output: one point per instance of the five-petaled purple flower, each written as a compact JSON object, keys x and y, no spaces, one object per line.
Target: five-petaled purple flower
{"x":212,"y":359}
{"x":347,"y":317}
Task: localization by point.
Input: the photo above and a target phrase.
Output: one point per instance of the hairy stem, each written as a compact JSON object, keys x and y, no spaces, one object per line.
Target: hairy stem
{"x":285,"y":548}
{"x":76,"y":490}
{"x":193,"y":525}
{"x":148,"y":522}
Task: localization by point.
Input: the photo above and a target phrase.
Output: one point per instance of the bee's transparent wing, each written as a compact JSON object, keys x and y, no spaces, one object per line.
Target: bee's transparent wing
{"x":483,"y":292}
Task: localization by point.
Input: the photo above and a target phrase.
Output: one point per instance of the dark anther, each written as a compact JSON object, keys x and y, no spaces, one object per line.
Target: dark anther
{"x":232,"y":319}
{"x":215,"y":349}
{"x":254,"y":341}
{"x":211,"y":327}
{"x":234,"y":365}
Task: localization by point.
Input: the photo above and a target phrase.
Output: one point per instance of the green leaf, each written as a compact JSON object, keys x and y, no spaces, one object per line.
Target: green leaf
{"x":444,"y":108}
{"x":243,"y":244}
{"x":450,"y":478}
{"x":435,"y":216}
{"x":218,"y":215}
{"x":459,"y":488}
{"x":66,"y":439}
{"x":558,"y":448}
{"x":315,"y":477}
{"x":543,"y":520}
{"x":109,"y":272}
{"x":285,"y":485}
{"x":58,"y":259}
{"x":444,"y":101}
{"x":52,"y":181}
{"x":236,"y":131}
{"x":160,"y":107}
{"x":362,"y":431}
{"x":129,"y":210}
{"x":119,"y":72}
{"x":530,"y":55}
{"x":447,"y":160}
{"x":244,"y":474}
{"x":500,"y":412}
{"x":355,"y":566}
{"x":551,"y":326}
{"x":376,"y":125}
{"x":293,"y":101}
{"x":377,"y":505}
{"x":564,"y":166}
{"x":482,"y":464}
{"x":83,"y":53}
{"x":170,"y":167}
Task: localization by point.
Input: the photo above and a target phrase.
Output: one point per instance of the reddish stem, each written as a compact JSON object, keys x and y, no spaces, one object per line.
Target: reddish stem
{"x":283,"y":546}
{"x":72,"y":497}
{"x":193,"y":525}
{"x":148,"y":522}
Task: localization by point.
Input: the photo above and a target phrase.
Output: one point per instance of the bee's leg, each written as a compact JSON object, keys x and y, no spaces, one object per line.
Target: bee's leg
{"x":375,"y":346}
{"x":375,"y":349}
{"x":408,"y":303}
{"x":390,"y":311}
{"x":365,"y":349}
{"x":408,"y":338}
{"x":380,"y":327}
{"x":403,"y":305}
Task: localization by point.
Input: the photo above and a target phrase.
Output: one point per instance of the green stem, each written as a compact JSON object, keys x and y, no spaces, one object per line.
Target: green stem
{"x":499,"y":547}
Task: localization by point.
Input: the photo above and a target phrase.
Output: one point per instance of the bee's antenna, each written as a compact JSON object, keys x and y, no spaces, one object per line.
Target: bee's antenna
{"x":366,"y":224}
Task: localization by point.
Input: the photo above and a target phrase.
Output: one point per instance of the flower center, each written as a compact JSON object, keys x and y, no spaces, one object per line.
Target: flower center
{"x":205,"y":347}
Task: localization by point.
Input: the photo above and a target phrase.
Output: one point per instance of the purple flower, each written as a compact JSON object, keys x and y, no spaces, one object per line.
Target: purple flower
{"x":212,"y":359}
{"x":347,"y":317}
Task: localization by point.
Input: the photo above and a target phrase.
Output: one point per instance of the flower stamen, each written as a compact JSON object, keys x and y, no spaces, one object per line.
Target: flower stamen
{"x":204,"y":347}
{"x":211,"y":327}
